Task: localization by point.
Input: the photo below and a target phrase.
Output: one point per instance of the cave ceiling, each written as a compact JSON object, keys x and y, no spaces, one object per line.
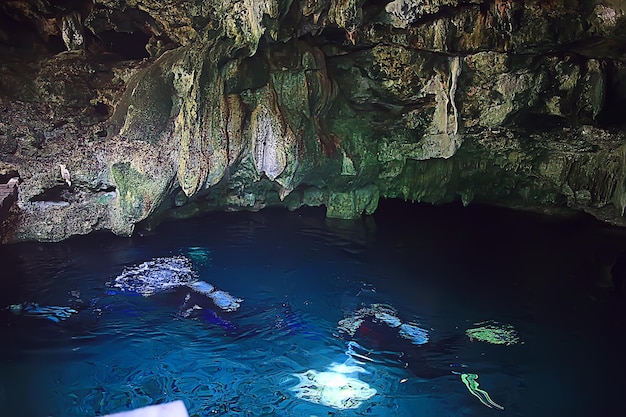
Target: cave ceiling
{"x":170,"y":109}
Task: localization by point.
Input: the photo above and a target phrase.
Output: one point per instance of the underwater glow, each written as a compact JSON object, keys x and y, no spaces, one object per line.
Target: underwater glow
{"x":494,"y":333}
{"x":199,"y":255}
{"x":328,"y":327}
{"x":336,"y":388}
{"x":470,"y":381}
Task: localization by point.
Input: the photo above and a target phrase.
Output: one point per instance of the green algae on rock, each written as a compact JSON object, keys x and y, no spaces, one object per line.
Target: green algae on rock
{"x":171,"y":110}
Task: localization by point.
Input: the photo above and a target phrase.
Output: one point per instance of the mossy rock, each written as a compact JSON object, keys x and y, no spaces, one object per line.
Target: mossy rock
{"x":352,"y":204}
{"x":137,"y":192}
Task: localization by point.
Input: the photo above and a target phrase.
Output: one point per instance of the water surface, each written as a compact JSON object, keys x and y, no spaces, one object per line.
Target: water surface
{"x":442,"y":268}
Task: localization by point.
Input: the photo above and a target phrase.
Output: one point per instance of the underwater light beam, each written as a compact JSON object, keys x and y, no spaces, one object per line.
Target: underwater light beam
{"x":338,"y":387}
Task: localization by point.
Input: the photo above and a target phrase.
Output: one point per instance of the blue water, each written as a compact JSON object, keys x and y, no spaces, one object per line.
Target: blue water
{"x":443,"y":268}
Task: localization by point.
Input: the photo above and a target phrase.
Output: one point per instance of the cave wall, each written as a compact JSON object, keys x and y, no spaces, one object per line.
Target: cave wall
{"x":172,"y":109}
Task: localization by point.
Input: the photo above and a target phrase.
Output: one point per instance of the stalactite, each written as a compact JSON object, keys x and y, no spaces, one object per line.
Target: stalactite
{"x":455,"y":71}
{"x":619,"y":194}
{"x":72,"y":31}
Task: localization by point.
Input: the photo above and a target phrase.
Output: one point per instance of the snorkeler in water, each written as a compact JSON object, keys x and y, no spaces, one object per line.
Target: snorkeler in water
{"x":78,"y":313}
{"x":379,"y":335}
{"x":376,"y":334}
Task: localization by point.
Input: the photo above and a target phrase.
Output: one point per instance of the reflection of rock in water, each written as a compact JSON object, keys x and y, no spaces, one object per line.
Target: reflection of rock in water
{"x":618,"y":273}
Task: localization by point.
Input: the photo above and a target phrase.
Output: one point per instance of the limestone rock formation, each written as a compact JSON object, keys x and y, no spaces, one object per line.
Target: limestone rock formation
{"x":171,"y":109}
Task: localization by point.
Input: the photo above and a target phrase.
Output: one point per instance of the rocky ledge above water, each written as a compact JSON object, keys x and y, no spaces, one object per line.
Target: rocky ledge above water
{"x":171,"y":109}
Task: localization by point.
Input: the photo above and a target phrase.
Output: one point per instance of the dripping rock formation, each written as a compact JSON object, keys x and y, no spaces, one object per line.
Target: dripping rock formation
{"x":171,"y":109}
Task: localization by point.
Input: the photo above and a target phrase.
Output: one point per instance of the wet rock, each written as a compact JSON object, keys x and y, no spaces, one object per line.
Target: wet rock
{"x":72,"y":31}
{"x":8,"y":143}
{"x":403,"y":13}
{"x":172,"y":109}
{"x":245,"y":22}
{"x":351,"y":205}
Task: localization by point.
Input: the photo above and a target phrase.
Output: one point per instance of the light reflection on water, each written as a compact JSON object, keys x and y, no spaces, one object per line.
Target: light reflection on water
{"x":299,"y":274}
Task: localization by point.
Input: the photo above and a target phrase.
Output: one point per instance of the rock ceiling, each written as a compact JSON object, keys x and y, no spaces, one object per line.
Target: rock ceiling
{"x":169,"y":109}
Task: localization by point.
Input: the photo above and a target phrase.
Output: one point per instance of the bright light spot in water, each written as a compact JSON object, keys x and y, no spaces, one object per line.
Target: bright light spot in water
{"x":338,"y":387}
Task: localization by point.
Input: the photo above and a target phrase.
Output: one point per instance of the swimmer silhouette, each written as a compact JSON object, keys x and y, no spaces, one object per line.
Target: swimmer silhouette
{"x":378,"y":335}
{"x":381,"y":343}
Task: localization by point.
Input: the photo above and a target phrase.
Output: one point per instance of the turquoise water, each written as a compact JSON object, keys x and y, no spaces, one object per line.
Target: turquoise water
{"x":443,"y":269}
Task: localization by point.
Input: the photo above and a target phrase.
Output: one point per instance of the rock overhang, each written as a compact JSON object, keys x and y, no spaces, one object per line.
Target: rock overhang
{"x":243,"y":105}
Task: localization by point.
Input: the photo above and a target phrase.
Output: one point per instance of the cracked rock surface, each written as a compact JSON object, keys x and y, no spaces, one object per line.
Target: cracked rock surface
{"x":172,"y":109}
